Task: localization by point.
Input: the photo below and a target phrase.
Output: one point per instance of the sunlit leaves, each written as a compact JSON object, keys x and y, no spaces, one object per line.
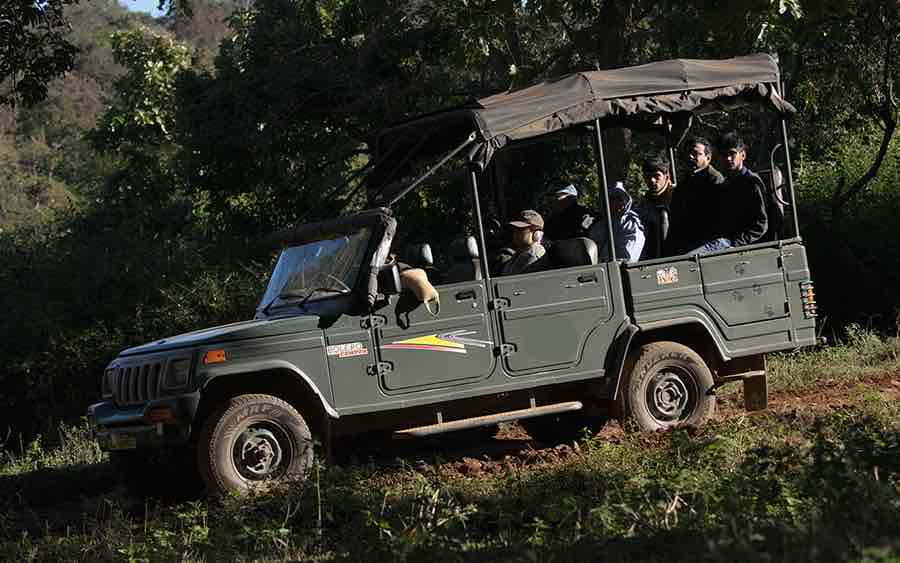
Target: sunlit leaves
{"x":142,"y":108}
{"x":34,"y":48}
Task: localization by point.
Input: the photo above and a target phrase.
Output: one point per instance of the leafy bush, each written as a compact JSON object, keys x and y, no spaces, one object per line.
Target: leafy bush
{"x":82,"y":288}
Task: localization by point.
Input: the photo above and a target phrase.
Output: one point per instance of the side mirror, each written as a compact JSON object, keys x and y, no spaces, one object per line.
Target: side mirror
{"x":389,"y":279}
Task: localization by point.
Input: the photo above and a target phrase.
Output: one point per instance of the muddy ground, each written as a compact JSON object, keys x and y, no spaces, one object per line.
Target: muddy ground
{"x":70,"y":498}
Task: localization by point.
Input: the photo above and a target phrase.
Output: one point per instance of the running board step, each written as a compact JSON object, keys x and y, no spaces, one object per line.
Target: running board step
{"x":477,"y":421}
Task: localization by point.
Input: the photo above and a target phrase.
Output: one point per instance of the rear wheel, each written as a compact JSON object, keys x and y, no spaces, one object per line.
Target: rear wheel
{"x":252,"y":443}
{"x":666,"y":384}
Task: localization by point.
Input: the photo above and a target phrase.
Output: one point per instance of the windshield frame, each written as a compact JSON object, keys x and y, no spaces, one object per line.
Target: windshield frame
{"x":380,"y":225}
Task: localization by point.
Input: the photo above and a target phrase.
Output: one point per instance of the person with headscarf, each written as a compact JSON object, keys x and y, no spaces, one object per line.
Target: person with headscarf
{"x":627,"y":227}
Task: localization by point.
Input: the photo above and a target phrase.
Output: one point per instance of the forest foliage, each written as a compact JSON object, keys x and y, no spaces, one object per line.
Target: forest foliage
{"x":134,"y":194}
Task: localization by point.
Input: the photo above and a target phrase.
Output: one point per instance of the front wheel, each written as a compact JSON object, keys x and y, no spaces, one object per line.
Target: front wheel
{"x":251,"y":443}
{"x":666,"y":384}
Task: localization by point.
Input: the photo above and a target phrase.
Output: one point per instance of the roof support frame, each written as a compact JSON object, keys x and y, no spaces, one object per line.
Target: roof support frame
{"x":469,"y":140}
{"x":787,"y":164}
{"x":601,"y":161}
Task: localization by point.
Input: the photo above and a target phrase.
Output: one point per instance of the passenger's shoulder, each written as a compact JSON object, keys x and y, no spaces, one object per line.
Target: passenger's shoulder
{"x":715,"y":175}
{"x":756,"y":179}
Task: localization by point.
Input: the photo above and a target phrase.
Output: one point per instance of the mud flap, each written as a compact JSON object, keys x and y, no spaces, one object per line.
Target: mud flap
{"x":756,"y":392}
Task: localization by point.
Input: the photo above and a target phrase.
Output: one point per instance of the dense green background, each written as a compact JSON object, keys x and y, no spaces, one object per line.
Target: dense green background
{"x":132,"y":197}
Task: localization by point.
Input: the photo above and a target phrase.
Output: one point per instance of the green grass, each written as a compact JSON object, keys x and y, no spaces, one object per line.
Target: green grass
{"x":797,"y":485}
{"x":858,"y":353}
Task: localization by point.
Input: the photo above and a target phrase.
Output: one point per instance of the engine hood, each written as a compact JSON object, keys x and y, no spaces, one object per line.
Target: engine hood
{"x":225,"y":333}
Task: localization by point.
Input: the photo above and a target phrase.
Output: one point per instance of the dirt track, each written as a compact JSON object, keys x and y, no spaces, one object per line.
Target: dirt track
{"x":50,"y":499}
{"x":476,"y":453}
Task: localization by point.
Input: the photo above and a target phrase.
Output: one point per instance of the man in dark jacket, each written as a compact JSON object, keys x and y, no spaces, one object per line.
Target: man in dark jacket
{"x":655,"y":207}
{"x":695,"y":202}
{"x":568,"y":218}
{"x":741,"y":218}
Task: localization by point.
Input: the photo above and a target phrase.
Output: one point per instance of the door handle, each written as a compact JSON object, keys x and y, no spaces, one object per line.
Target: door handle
{"x":464,"y":295}
{"x":587,"y":278}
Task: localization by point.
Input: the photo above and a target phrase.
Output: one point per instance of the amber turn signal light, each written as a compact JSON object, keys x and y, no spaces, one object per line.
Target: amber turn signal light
{"x":214,"y":357}
{"x":160,"y":414}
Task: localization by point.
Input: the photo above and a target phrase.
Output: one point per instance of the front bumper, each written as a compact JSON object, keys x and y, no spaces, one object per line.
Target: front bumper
{"x":134,"y":428}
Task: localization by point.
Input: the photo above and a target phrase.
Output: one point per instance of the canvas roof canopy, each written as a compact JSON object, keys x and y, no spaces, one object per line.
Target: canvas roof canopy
{"x":666,"y":87}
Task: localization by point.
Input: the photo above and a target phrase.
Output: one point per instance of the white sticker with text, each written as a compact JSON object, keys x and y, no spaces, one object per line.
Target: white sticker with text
{"x":667,"y":276}
{"x":347,"y":350}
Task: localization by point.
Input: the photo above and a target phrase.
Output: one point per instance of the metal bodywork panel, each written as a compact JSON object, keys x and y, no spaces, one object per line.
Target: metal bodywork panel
{"x":452,"y":347}
{"x":550,"y":314}
{"x":303,"y":355}
{"x":748,"y":301}
{"x":243,"y":330}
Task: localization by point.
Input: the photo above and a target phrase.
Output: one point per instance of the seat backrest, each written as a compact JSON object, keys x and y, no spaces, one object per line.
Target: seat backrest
{"x":580,"y":251}
{"x":466,"y":264}
{"x":419,"y":256}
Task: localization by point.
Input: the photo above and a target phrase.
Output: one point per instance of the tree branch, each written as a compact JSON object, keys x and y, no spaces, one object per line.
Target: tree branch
{"x":890,"y":123}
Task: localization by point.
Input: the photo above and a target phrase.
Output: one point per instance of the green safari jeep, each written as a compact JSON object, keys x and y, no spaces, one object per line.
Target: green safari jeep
{"x":338,"y":347}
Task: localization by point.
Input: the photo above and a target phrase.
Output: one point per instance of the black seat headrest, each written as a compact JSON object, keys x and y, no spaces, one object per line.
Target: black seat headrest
{"x":580,"y":251}
{"x":464,"y":248}
{"x":418,"y":255}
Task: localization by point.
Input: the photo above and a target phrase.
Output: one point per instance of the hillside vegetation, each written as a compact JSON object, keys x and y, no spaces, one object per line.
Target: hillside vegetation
{"x":135,"y":195}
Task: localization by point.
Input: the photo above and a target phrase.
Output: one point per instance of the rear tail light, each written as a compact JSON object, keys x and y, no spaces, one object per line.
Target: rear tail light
{"x":808,"y":297}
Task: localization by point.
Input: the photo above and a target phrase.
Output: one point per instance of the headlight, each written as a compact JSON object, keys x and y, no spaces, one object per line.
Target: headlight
{"x":108,"y":383}
{"x":177,"y":374}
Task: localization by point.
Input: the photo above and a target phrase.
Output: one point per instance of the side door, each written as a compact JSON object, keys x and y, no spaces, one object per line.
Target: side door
{"x":547,"y":317}
{"x":351,"y":353}
{"x":419,"y":350}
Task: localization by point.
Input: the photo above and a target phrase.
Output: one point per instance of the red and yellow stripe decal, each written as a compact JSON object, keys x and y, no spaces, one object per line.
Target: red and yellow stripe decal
{"x":430,"y":343}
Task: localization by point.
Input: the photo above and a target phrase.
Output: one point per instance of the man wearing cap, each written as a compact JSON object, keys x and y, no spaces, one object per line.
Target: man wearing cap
{"x":527,"y":232}
{"x":568,"y":218}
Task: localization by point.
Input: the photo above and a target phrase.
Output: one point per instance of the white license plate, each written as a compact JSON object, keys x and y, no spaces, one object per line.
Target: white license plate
{"x":122,"y":442}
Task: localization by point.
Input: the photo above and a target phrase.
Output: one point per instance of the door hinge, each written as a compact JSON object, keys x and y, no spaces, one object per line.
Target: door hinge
{"x":379,"y":368}
{"x":373,"y":321}
{"x":499,"y":303}
{"x":505,"y":350}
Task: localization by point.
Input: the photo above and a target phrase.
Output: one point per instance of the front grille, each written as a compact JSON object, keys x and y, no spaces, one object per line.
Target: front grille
{"x":138,"y":384}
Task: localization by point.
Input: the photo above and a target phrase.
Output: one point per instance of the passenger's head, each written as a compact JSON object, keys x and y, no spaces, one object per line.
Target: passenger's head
{"x":563,"y":198}
{"x":656,"y":174}
{"x":619,"y":200}
{"x":733,"y":151}
{"x":699,"y":153}
{"x":527,"y":229}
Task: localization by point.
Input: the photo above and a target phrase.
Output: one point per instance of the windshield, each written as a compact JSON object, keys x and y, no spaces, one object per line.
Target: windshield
{"x":317,"y":269}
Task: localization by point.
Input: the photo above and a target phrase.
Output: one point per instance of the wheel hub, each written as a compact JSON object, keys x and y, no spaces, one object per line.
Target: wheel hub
{"x":257,"y":453}
{"x":669,"y":397}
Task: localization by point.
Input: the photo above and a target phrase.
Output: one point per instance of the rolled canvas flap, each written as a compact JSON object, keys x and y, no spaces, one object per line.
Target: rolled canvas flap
{"x":416,"y":280}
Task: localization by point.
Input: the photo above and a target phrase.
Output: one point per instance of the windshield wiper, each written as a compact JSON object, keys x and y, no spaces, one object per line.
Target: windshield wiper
{"x":287,"y":294}
{"x":328,"y":289}
{"x":283,"y":295}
